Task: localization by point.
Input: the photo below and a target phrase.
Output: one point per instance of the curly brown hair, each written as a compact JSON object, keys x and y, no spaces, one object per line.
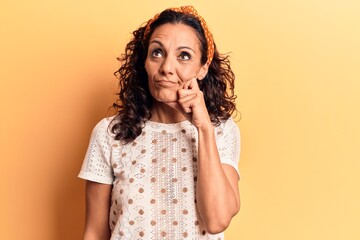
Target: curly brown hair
{"x":134,"y":104}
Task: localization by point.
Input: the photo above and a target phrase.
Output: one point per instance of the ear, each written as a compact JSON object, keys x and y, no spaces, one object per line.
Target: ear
{"x":203,"y":71}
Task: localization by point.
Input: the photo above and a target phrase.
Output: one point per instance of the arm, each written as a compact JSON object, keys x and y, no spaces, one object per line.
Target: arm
{"x":97,"y":211}
{"x":217,"y":191}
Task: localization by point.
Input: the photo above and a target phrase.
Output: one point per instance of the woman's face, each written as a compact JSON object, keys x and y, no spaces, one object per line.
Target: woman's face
{"x":173,"y":59}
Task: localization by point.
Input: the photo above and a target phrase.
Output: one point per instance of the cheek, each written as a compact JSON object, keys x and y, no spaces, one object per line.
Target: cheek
{"x":187,"y":73}
{"x":149,"y":68}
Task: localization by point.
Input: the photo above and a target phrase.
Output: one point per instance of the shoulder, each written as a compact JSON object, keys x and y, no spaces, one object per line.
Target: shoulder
{"x":104,"y":123}
{"x":102,"y":129}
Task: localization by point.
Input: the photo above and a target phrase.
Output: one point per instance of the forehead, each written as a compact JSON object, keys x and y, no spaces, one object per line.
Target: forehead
{"x":179,"y":34}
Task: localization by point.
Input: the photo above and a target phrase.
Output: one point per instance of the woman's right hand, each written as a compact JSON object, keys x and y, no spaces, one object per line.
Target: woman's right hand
{"x":192,"y":105}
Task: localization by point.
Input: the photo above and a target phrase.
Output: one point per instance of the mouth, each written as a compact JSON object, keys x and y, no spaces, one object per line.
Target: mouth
{"x":166,"y":83}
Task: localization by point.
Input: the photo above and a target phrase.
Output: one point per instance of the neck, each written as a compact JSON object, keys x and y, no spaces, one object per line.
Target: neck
{"x":163,"y":113}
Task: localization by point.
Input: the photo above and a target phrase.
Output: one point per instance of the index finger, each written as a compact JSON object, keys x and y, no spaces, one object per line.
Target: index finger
{"x":193,"y":84}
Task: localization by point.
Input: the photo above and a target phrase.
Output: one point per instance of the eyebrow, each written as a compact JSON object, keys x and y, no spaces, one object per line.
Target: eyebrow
{"x":179,"y":48}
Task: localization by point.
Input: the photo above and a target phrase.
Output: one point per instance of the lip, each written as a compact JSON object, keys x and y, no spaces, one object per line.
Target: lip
{"x":165,"y":83}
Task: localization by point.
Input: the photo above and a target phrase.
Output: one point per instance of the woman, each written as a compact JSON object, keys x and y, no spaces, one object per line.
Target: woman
{"x":165,"y":167}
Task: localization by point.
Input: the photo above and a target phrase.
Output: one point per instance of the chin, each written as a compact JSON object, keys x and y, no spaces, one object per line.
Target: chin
{"x":166,"y":98}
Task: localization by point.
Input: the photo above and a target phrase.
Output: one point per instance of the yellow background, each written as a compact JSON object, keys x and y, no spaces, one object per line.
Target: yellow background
{"x":297,"y":67}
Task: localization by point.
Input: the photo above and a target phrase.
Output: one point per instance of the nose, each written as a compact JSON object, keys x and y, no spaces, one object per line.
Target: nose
{"x":167,"y":67}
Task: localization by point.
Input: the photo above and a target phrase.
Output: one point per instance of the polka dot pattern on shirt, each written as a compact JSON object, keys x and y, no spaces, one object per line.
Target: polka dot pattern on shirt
{"x":154,"y":179}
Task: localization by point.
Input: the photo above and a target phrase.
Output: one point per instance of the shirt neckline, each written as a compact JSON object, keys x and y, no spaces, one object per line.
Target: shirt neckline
{"x":168,"y":126}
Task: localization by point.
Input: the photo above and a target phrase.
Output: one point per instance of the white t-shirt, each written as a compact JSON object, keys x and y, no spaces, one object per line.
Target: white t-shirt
{"x":153,"y":178}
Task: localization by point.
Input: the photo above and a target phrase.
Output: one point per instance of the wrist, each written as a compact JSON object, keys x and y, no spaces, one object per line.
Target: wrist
{"x":208,"y":127}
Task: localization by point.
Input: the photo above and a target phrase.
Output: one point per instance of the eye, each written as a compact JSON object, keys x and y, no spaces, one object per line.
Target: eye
{"x":184,"y":56}
{"x":156,"y":53}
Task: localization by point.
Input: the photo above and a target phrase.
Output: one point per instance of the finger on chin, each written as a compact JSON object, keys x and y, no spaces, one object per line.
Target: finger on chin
{"x":182,"y":93}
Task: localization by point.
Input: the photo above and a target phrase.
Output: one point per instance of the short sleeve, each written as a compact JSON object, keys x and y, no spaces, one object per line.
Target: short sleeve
{"x":229,"y":143}
{"x":97,"y":163}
